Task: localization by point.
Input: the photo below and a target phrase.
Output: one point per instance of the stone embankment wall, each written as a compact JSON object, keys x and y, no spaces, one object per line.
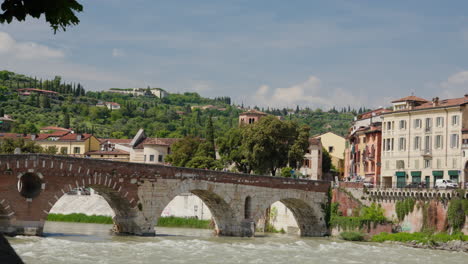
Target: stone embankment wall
{"x":429,"y":211}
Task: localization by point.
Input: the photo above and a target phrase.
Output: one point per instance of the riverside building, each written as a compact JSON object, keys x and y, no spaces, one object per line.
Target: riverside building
{"x":422,"y":141}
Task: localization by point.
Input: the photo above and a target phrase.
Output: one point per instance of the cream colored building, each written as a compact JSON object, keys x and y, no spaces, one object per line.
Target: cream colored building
{"x":70,"y":144}
{"x":421,"y":141}
{"x":335,"y":145}
{"x":312,"y":164}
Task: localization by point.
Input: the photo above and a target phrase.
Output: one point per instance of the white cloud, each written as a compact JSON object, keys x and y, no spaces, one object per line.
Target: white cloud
{"x":26,"y":50}
{"x":456,"y":85}
{"x":117,"y":53}
{"x":308,"y":93}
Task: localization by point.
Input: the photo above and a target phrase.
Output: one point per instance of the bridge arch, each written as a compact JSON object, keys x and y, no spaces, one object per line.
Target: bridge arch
{"x":222,"y":213}
{"x":123,"y":208}
{"x":310,"y":220}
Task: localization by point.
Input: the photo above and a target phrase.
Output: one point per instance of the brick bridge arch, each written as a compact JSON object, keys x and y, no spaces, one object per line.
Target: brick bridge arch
{"x":138,"y":193}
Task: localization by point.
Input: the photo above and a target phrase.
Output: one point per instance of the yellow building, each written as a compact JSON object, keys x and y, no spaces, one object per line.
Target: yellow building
{"x":335,"y":145}
{"x":70,"y":144}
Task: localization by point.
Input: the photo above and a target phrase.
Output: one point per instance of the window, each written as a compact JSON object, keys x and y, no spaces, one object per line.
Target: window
{"x":400,"y":164}
{"x":454,"y":140}
{"x":402,"y":144}
{"x":389,"y":126}
{"x":428,"y":124}
{"x":440,"y":121}
{"x":417,"y":143}
{"x":402,"y":124}
{"x":151,"y":157}
{"x":417,"y":123}
{"x":455,"y":120}
{"x":144,"y":158}
{"x":392,"y":144}
{"x":439,"y":143}
{"x":427,"y":164}
{"x":330,"y":149}
{"x":160,"y":158}
{"x":76,"y":150}
{"x":63,"y":150}
{"x":427,"y":143}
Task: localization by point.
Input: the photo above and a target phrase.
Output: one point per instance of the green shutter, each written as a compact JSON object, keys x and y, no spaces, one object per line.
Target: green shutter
{"x":400,"y":173}
{"x":453,"y":173}
{"x":438,"y":173}
{"x":416,"y":173}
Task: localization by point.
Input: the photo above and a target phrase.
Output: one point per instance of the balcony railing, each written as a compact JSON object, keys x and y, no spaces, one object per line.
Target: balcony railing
{"x":426,"y":152}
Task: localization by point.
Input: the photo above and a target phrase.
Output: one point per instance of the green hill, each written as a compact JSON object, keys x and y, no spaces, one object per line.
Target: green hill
{"x":172,"y":116}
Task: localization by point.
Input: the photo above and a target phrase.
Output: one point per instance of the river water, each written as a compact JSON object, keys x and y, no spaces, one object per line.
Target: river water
{"x":91,"y":243}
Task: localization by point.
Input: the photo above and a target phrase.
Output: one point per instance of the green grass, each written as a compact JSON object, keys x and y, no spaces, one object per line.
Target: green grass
{"x":425,"y":238}
{"x":352,"y":236}
{"x":80,"y":218}
{"x":173,"y":221}
{"x":100,"y":219}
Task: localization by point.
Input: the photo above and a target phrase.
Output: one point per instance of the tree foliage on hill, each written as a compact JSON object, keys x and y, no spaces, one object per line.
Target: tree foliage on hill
{"x":193,"y":152}
{"x":265,"y":146}
{"x":60,"y":14}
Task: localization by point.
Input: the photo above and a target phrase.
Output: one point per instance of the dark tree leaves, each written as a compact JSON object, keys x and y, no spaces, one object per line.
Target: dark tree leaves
{"x":60,"y":14}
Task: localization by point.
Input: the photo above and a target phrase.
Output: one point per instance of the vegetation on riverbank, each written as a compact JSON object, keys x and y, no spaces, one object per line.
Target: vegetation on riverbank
{"x":352,"y":236}
{"x":80,"y":218}
{"x":173,"y":221}
{"x":170,"y":221}
{"x":364,"y":216}
{"x":419,"y":237}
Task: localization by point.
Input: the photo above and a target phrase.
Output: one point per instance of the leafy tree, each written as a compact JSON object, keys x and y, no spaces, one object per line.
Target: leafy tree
{"x":326,"y":161}
{"x":210,"y":138}
{"x":286,"y":172}
{"x":52,"y":150}
{"x":204,"y":162}
{"x":44,"y":101}
{"x":299,"y":148}
{"x":183,"y":151}
{"x":9,"y":145}
{"x":232,"y":151}
{"x":268,"y":143}
{"x":66,"y":120}
{"x":58,"y":13}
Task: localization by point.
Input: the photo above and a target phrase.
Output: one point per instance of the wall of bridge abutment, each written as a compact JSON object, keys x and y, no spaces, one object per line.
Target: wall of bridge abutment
{"x":138,"y":193}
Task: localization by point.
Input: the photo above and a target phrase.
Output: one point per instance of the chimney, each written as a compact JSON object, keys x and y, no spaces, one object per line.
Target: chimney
{"x":435,"y":101}
{"x":78,"y":136}
{"x":33,"y":137}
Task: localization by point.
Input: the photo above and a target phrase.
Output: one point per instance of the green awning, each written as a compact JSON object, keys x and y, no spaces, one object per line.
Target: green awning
{"x":400,"y":173}
{"x":438,"y":173}
{"x":416,"y":173}
{"x":453,"y":173}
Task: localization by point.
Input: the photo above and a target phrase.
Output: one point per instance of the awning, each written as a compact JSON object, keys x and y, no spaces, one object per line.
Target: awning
{"x":416,"y":173}
{"x":438,"y":173}
{"x":453,"y":173}
{"x":400,"y":173}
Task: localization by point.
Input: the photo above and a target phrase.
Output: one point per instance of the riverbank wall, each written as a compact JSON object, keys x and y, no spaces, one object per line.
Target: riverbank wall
{"x":428,"y":212}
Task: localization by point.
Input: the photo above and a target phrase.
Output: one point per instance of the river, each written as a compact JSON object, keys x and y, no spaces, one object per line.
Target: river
{"x":91,"y":243}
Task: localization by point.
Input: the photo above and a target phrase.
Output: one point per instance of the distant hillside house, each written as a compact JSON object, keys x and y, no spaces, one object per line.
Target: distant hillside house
{"x":158,"y":92}
{"x":29,"y":91}
{"x":312,"y":164}
{"x":6,"y":123}
{"x":109,"y":105}
{"x":205,"y":107}
{"x":54,"y":129}
{"x":250,"y":117}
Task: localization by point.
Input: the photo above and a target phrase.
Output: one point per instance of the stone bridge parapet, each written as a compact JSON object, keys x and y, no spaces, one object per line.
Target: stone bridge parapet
{"x":30,"y":184}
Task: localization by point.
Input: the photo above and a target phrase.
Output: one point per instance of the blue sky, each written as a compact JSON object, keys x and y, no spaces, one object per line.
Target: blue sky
{"x":276,"y":53}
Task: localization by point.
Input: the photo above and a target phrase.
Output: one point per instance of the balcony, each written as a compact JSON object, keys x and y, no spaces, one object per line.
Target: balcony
{"x":426,"y":152}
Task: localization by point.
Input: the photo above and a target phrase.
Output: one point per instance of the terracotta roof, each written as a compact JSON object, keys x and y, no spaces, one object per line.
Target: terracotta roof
{"x":314,"y":141}
{"x":115,"y":140}
{"x":14,"y":135}
{"x":54,"y":128}
{"x":73,"y":137}
{"x":160,"y":141}
{"x":253,"y":112}
{"x":107,"y":152}
{"x":410,"y":98}
{"x":443,"y":103}
{"x":377,"y":112}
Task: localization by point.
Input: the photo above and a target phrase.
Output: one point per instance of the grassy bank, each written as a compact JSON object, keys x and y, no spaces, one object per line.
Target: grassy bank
{"x":80,"y":218}
{"x":100,"y":219}
{"x":425,"y":238}
{"x":173,"y":221}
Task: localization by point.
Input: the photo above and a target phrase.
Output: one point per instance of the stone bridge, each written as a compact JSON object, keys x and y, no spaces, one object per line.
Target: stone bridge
{"x":30,"y":184}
